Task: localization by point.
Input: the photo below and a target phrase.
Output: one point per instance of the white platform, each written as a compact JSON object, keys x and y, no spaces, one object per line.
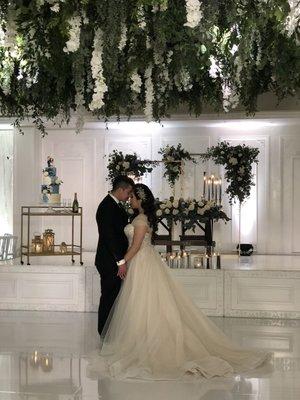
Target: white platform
{"x":258,"y":286}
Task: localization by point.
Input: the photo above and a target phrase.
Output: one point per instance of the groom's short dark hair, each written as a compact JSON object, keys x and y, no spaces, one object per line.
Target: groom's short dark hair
{"x":122,"y":181}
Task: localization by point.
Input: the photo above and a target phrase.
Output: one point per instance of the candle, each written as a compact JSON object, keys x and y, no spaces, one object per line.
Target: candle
{"x":218,"y":261}
{"x":209,"y":188}
{"x":212,"y":186}
{"x":38,"y":248}
{"x":184,"y":260}
{"x":220,"y":191}
{"x":204,"y":184}
{"x":207,"y":262}
{"x":216,"y":190}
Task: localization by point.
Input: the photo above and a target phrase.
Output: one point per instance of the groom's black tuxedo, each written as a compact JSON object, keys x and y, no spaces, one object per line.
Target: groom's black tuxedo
{"x":112,"y":246}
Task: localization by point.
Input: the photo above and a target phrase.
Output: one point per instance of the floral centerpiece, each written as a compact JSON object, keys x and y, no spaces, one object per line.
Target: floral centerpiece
{"x":173,"y":159}
{"x":128,"y":164}
{"x":237,"y":161}
{"x":189,"y":211}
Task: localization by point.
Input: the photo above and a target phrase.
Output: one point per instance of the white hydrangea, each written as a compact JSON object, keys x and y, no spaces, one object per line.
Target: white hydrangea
{"x":167,"y":211}
{"x":158,"y":213}
{"x":136,"y":82}
{"x":100,"y":87}
{"x":149,"y":95}
{"x":193,"y":13}
{"x":73,"y":43}
{"x":175,"y":211}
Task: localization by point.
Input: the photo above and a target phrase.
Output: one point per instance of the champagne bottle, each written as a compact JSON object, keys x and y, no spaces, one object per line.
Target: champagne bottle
{"x":75,"y":206}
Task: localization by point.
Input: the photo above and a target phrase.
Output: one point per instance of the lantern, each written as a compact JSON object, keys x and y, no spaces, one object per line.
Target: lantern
{"x":37,"y":244}
{"x":48,"y":241}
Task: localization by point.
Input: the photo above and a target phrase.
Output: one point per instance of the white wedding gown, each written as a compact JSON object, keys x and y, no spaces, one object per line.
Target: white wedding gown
{"x":155,"y":331}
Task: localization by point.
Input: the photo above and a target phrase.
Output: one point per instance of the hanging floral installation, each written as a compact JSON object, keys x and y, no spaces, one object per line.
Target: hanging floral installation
{"x":120,"y":57}
{"x":128,"y":164}
{"x":173,"y":159}
{"x":237,"y":161}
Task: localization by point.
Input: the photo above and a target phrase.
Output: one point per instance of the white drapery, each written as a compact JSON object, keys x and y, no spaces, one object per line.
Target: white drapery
{"x":6,"y":181}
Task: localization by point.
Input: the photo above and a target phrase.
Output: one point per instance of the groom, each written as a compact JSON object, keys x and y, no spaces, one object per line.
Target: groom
{"x":112,"y":245}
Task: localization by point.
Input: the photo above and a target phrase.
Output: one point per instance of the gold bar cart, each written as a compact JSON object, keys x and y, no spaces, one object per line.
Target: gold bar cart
{"x":28,"y":212}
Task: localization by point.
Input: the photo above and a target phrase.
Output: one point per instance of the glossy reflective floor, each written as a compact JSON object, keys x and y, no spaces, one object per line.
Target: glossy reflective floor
{"x":43,"y":356}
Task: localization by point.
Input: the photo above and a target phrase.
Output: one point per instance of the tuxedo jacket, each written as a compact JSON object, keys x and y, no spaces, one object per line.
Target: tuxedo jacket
{"x":113,"y":243}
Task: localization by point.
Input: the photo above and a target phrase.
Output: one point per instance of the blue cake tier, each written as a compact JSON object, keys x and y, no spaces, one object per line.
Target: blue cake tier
{"x":51,"y":171}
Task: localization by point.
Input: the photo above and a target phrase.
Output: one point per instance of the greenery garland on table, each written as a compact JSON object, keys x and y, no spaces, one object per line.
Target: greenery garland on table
{"x":118,"y":57}
{"x":128,"y":164}
{"x":237,"y":161}
{"x":173,"y":160}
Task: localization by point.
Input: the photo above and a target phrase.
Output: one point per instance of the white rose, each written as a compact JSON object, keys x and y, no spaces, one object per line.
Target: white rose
{"x":233,"y":161}
{"x":45,"y":191}
{"x":130,"y":211}
{"x":175,"y":212}
{"x":168,"y":204}
{"x":46,"y":173}
{"x":162,"y":206}
{"x":118,"y":167}
{"x":159,"y":213}
{"x":191,"y":207}
{"x":200,"y":211}
{"x":126,"y":164}
{"x":167,"y":211}
{"x":58,"y":181}
{"x":201,"y":204}
{"x":175,"y":204}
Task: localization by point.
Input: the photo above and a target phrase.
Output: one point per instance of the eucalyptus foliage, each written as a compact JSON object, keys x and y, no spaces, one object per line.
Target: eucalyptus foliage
{"x":117,"y":57}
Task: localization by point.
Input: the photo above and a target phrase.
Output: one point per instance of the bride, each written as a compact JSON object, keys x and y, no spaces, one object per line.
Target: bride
{"x":155,"y":331}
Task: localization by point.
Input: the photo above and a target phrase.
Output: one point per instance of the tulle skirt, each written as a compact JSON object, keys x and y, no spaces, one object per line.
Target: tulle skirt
{"x":155,"y":331}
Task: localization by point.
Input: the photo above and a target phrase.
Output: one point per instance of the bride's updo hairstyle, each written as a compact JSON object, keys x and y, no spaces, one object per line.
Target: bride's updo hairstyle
{"x":142,"y":192}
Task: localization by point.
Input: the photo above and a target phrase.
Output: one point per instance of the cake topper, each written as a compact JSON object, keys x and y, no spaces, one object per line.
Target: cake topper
{"x":50,"y":161}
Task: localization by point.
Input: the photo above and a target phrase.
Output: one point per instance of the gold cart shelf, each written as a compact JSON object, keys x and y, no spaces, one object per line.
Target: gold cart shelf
{"x":27,"y":212}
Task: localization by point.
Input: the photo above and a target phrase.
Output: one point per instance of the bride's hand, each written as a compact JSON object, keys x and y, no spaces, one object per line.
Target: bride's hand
{"x":122,"y":271}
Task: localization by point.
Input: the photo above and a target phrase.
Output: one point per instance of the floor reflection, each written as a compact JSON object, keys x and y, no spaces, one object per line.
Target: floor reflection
{"x":44,"y":356}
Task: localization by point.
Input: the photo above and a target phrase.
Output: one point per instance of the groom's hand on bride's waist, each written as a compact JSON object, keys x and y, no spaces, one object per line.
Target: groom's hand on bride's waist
{"x":122,"y":269}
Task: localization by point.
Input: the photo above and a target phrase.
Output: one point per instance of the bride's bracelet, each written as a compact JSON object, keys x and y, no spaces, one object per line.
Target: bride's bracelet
{"x":121,"y":262}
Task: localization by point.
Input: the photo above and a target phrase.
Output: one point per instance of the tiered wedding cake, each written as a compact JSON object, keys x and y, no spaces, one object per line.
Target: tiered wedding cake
{"x":51,"y":183}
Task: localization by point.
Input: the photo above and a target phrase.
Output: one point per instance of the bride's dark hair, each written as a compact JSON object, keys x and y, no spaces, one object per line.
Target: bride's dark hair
{"x":142,"y":192}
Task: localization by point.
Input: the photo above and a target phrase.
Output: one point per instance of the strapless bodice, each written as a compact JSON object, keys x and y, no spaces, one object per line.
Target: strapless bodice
{"x":129,"y":231}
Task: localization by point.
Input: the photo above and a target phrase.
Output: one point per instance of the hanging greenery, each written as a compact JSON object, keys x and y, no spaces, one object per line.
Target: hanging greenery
{"x":173,"y":159}
{"x":118,"y":57}
{"x":237,"y":161}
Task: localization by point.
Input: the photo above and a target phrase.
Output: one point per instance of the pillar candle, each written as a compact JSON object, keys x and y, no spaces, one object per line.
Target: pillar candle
{"x":204,"y":184}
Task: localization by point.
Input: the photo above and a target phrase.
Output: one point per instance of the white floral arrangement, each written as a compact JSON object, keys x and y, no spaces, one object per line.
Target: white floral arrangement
{"x":173,"y":159}
{"x":128,"y":164}
{"x":237,"y":161}
{"x":189,"y":211}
